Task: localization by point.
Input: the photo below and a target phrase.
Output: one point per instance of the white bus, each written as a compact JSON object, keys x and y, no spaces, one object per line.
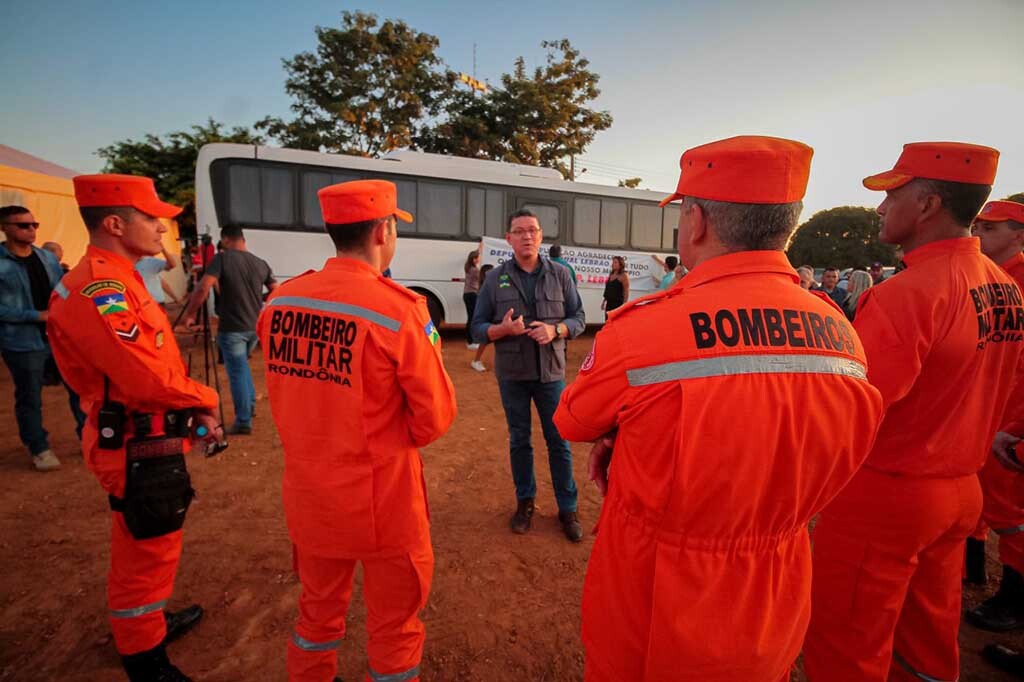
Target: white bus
{"x":456,"y":202}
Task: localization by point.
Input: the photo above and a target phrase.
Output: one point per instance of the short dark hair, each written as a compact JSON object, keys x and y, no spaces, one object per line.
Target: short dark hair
{"x":231,"y":232}
{"x":831,"y":268}
{"x":963,"y":200}
{"x":671,"y":262}
{"x":8,"y":211}
{"x":750,"y":227}
{"x":521,"y":213}
{"x":352,"y":236}
{"x":93,"y":216}
{"x":555,"y":251}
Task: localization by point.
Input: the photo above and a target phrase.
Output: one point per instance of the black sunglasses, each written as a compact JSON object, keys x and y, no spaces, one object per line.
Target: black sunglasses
{"x":25,"y":226}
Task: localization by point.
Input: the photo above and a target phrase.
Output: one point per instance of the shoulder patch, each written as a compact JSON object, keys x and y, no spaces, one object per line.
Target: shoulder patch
{"x":431,"y":332}
{"x":102,"y":285}
{"x":109,"y":302}
{"x":588,"y":362}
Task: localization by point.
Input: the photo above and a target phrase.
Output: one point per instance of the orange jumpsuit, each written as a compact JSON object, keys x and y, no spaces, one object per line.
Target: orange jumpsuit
{"x":742,"y":407}
{"x":356,"y":385}
{"x":1003,"y":490}
{"x":103,"y":323}
{"x":939,"y":338}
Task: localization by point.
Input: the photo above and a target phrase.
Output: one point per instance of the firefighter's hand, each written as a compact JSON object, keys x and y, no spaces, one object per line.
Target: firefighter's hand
{"x":599,"y":461}
{"x":1003,"y":448}
{"x":214,"y":430}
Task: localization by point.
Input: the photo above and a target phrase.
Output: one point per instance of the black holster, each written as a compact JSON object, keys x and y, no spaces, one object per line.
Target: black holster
{"x":158,"y":489}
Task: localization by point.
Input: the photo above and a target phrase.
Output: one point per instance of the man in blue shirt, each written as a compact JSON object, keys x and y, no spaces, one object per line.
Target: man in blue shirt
{"x":27,"y":277}
{"x":830,"y":285}
{"x":527,"y":308}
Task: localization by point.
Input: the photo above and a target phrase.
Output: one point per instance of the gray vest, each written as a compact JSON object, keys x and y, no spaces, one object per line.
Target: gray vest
{"x":516,"y":358}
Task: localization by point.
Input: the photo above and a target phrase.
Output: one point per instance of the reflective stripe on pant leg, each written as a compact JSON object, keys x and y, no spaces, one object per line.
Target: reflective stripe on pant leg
{"x":138,"y":610}
{"x":307,"y":645}
{"x":410,"y":674}
{"x":902,"y":662}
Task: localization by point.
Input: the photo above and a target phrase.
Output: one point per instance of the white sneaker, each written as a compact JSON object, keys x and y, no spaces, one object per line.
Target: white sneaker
{"x":478,"y":366}
{"x":472,"y":346}
{"x":46,"y":461}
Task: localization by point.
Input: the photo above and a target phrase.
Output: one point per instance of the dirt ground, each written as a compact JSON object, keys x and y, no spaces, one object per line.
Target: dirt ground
{"x":503,"y":607}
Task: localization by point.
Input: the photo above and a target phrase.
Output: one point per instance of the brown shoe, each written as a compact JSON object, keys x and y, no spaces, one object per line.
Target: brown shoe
{"x":520,"y":522}
{"x":571,"y":526}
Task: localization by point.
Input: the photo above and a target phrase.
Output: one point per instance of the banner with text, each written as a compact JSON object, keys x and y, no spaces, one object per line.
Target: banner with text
{"x":591,"y":264}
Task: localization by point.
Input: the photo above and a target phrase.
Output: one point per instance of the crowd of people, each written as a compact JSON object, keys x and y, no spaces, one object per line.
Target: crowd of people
{"x":703,"y":567}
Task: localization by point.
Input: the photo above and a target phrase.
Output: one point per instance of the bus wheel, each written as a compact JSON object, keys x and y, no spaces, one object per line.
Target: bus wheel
{"x":433,"y":307}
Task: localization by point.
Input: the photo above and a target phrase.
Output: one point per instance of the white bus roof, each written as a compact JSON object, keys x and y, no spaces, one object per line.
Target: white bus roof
{"x":424,"y":164}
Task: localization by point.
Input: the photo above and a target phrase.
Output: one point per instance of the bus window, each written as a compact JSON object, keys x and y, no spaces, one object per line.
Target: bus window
{"x":586,"y":221}
{"x":495,"y":213}
{"x":311,"y":184}
{"x":407,"y":202}
{"x":243,"y":194}
{"x":548,"y":217}
{"x":647,"y":227}
{"x":277,"y":196}
{"x":440,"y":209}
{"x":613,"y":223}
{"x":476,"y":211}
{"x":670,"y":227}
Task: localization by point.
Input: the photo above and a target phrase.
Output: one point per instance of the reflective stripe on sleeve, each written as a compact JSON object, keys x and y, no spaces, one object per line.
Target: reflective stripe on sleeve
{"x":307,"y":645}
{"x":340,"y":308}
{"x":138,"y":610}
{"x":729,"y":365}
{"x":1009,"y":531}
{"x":62,"y":290}
{"x":410,"y":674}
{"x":919,"y":675}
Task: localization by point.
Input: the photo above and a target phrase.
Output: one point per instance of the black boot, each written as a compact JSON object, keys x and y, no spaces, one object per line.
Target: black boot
{"x":180,"y":622}
{"x":974,"y":559}
{"x":1004,"y":658}
{"x":1004,"y":610}
{"x":520,"y":521}
{"x":152,"y":666}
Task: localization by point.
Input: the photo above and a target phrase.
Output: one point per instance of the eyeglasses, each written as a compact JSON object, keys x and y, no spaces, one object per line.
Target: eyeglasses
{"x":525,"y":233}
{"x":25,"y":226}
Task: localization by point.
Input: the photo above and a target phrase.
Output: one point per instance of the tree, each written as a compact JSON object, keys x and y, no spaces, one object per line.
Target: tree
{"x":539,"y":119}
{"x":843,"y":237}
{"x":171,"y":162}
{"x":632,"y":183}
{"x":366,"y":90}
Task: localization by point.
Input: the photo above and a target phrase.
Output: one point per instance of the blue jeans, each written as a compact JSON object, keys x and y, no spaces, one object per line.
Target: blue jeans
{"x":28,"y":369}
{"x":236,"y":347}
{"x":516,"y":397}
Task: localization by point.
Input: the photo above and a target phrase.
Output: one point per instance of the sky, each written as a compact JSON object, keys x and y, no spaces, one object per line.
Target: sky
{"x":855,"y":80}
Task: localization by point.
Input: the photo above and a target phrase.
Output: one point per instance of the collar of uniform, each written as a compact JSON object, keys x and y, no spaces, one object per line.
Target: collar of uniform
{"x":109,"y":257}
{"x":351,"y":264}
{"x":739,"y":263}
{"x":1013,"y":261}
{"x":942,"y":247}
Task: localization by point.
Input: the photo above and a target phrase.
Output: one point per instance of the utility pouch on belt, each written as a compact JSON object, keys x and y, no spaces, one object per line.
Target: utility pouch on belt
{"x":158,"y":489}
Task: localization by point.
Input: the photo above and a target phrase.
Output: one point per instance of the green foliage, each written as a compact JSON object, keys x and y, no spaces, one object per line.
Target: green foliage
{"x":632,"y":183}
{"x":1018,"y":197}
{"x":171,"y":162}
{"x":843,"y":237}
{"x":539,"y":119}
{"x":366,"y":90}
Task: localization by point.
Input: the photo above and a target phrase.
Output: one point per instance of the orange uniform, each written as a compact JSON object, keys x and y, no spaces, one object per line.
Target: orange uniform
{"x":356,"y":385}
{"x":888,"y":550}
{"x":1003,"y":509}
{"x":736,"y":423}
{"x":104,"y":324}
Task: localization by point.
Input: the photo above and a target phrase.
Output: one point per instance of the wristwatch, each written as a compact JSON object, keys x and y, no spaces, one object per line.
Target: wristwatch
{"x":558,"y":333}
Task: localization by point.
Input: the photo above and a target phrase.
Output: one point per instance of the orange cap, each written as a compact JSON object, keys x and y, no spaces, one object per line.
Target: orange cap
{"x":359,"y":200}
{"x":122,"y":190}
{"x":950,"y":161}
{"x":749,"y":169}
{"x":998,"y":211}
